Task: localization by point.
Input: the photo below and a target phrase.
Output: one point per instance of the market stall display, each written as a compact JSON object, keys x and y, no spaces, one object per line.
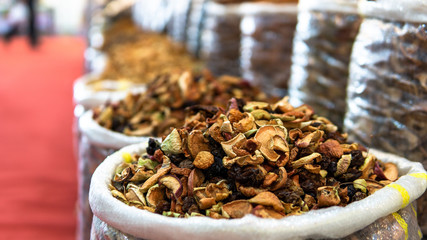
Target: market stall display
{"x":267,"y":30}
{"x":387,"y":89}
{"x":252,"y":160}
{"x":112,"y":125}
{"x":212,"y":153}
{"x":322,"y":47}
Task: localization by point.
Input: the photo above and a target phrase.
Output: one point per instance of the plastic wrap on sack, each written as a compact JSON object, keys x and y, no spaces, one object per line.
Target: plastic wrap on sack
{"x":387,"y":92}
{"x":95,"y":144}
{"x":333,"y":222}
{"x":194,"y":25}
{"x":220,"y":42}
{"x":153,"y":15}
{"x":322,"y":47}
{"x":266,"y":45}
{"x":97,"y":15}
{"x":178,"y":24}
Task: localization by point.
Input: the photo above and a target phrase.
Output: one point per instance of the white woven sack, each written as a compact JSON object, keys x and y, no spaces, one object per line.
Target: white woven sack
{"x":333,"y":222}
{"x":84,"y":94}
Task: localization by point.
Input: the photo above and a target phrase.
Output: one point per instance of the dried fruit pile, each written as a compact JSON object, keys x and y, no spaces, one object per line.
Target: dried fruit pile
{"x":161,"y":107}
{"x":147,"y":54}
{"x":270,"y":160}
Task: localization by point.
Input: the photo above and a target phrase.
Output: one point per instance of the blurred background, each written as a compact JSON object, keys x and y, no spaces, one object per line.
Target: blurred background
{"x":37,"y":70}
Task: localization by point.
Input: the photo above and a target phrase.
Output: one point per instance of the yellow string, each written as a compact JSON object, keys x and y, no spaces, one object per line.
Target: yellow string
{"x":403,"y":192}
{"x":402,"y":223}
{"x":419,"y":175}
{"x":413,"y":209}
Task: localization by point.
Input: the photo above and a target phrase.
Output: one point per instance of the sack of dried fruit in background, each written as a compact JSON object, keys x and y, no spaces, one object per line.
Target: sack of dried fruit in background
{"x":387,"y":92}
{"x":266,"y":44}
{"x":220,"y":41}
{"x":152,"y":113}
{"x":100,"y":15}
{"x":387,"y":213}
{"x":95,"y":144}
{"x":255,"y":158}
{"x":89,"y":92}
{"x":323,"y":41}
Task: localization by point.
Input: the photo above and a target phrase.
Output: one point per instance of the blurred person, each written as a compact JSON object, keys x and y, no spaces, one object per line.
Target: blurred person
{"x":22,"y":14}
{"x":32,"y":28}
{"x":16,"y":19}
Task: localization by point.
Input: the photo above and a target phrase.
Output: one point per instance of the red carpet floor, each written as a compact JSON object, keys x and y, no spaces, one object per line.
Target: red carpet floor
{"x":37,"y":165}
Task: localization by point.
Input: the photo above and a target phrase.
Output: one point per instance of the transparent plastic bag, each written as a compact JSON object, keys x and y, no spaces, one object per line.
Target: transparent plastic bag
{"x":266,"y":45}
{"x":99,"y":14}
{"x":178,"y":23}
{"x":387,"y":91}
{"x":387,"y":214}
{"x":220,"y":41}
{"x":153,"y":15}
{"x":194,"y":26}
{"x":323,"y":41}
{"x":95,"y":144}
